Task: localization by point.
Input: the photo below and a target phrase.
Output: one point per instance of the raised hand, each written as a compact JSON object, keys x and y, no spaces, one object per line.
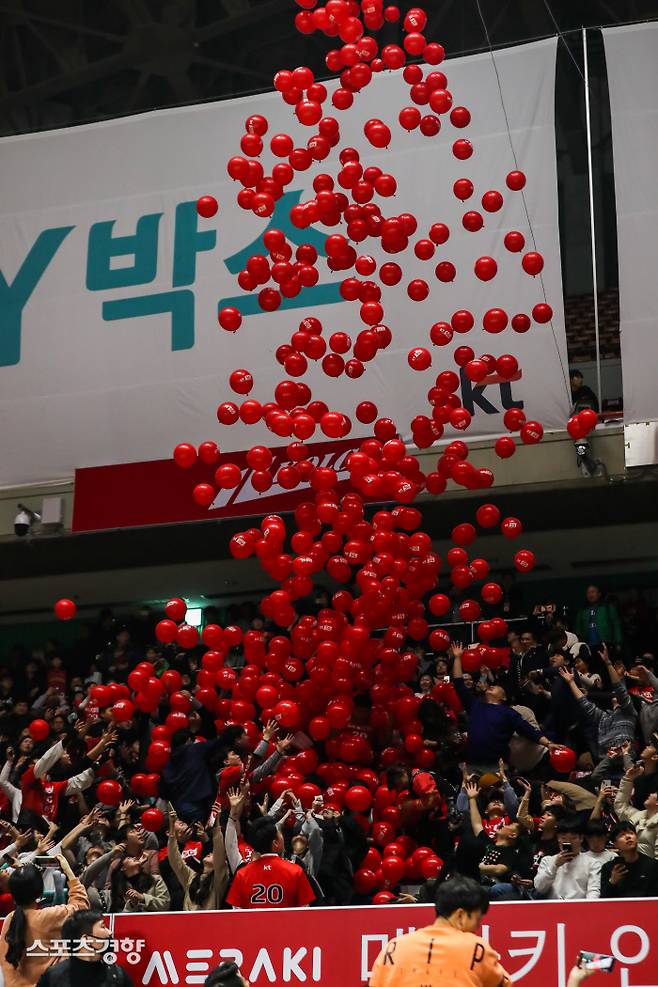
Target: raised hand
{"x":236,"y":799}
{"x":471,"y":789}
{"x":284,"y":743}
{"x":618,"y":873}
{"x":270,"y":730}
{"x":23,"y":839}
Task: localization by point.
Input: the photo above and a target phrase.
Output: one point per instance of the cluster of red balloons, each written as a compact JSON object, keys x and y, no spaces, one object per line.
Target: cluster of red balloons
{"x":582,"y":423}
{"x":308,"y":675}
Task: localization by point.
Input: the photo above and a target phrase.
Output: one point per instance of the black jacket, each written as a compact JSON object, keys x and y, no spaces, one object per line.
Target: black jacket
{"x":79,"y":973}
{"x":640,"y":882}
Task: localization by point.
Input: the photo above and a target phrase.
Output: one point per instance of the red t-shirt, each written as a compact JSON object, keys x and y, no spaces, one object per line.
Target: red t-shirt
{"x":40,"y":795}
{"x":270,"y":882}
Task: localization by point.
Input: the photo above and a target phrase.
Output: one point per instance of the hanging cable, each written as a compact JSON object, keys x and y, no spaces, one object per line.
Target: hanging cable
{"x":565,"y":376}
{"x":564,"y":41}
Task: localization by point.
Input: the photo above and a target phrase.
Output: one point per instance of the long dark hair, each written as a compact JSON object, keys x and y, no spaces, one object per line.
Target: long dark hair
{"x":201,"y":887}
{"x":26,"y":887}
{"x":120,"y":884}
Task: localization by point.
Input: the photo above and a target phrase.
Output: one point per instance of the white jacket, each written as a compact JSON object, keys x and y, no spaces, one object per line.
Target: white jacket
{"x":579,"y":878}
{"x":646,"y":826}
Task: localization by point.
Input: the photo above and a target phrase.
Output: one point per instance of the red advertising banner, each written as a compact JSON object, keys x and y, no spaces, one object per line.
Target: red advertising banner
{"x":159,"y":492}
{"x":336,"y":947}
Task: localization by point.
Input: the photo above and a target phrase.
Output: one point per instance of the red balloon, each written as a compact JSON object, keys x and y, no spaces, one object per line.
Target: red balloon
{"x":588,"y":419}
{"x":230,"y":319}
{"x":419,"y":358}
{"x":511,"y":527}
{"x":365,"y":881}
{"x":100,"y":694}
{"x":463,"y":189}
{"x":171,"y":680}
{"x":431,"y":867}
{"x":187,"y":636}
{"x":377,"y":133}
{"x":319,"y":728}
{"x":66,"y":609}
{"x":176,"y":609}
{"x":514,"y":241}
{"x":158,"y":753}
{"x":152,"y":820}
{"x":287,"y":714}
{"x":409,"y":118}
{"x":505,"y":447}
{"x":358,"y":798}
{"x":542,"y":313}
{"x":393,"y":870}
{"x":165,"y":631}
{"x":109,"y":792}
{"x":563,"y":759}
{"x":445,"y":271}
{"x":150,"y":785}
{"x":487,"y":516}
{"x":185,"y":455}
{"x":462,"y":149}
{"x":524,"y":560}
{"x":492,"y":201}
{"x":515,"y":181}
{"x":137,"y":783}
{"x":463,"y":534}
{"x":39,"y":730}
{"x":207,"y":206}
{"x":439,"y":605}
{"x":491,"y":593}
{"x":460,"y":117}
{"x":382,"y":833}
{"x":531,"y":433}
{"x":532,"y":263}
{"x":123,"y":711}
{"x":203,"y":494}
{"x":383,"y":897}
{"x":485,"y":268}
{"x":180,"y":703}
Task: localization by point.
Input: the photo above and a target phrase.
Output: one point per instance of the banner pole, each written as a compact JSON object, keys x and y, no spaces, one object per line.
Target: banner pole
{"x":592,"y":224}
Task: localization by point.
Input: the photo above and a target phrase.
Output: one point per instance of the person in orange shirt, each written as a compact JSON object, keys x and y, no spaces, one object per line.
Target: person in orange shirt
{"x":447,"y":952}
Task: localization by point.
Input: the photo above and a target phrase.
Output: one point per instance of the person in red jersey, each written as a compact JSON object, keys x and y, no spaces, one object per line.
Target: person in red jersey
{"x":269,"y":881}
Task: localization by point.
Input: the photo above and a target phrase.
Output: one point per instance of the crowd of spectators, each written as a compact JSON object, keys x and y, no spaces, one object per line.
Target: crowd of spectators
{"x":471,"y":780}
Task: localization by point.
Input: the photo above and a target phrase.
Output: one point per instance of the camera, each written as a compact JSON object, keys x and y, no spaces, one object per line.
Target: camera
{"x":24,"y":520}
{"x":587,"y":464}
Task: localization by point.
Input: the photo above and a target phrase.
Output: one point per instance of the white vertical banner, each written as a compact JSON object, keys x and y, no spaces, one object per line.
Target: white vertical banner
{"x":110,"y":284}
{"x":632,"y":60}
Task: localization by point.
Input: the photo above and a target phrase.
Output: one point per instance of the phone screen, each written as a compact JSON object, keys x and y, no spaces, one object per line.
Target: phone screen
{"x":596,"y":961}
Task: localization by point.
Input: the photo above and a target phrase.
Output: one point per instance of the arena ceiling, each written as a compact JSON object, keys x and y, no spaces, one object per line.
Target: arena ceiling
{"x":78,"y":61}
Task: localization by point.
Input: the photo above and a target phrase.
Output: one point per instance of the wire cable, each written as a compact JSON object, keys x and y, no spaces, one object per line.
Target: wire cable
{"x":565,"y":376}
